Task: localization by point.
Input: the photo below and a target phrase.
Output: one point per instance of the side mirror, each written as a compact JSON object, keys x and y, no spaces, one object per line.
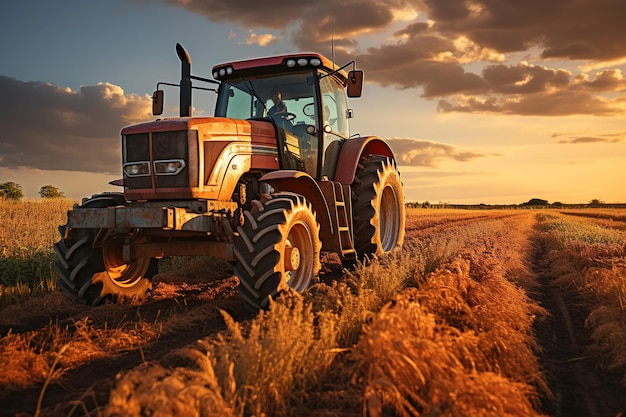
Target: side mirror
{"x":157,"y":102}
{"x":355,"y":83}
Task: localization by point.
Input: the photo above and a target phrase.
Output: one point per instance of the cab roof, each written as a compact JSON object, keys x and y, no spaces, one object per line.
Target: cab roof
{"x":280,"y":63}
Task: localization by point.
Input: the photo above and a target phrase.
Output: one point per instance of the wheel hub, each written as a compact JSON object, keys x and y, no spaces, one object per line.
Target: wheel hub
{"x":292,"y":258}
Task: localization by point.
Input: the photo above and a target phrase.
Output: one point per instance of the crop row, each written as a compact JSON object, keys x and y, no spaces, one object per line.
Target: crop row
{"x":442,"y":327}
{"x":592,"y":260}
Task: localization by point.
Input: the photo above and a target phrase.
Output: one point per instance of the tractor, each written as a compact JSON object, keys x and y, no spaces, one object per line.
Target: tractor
{"x":268,"y":183}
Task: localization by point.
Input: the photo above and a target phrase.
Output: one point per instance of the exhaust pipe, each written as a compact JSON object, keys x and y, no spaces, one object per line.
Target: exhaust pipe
{"x":185,"y":81}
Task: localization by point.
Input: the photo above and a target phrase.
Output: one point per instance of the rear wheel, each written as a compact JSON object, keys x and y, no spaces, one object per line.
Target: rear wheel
{"x":278,"y":248}
{"x":378,"y":207}
{"x":91,"y":274}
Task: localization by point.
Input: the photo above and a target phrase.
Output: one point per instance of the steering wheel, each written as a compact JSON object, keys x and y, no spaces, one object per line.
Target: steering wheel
{"x":286,"y":115}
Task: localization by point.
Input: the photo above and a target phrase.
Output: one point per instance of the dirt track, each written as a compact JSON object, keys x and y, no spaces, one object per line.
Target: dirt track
{"x":188,"y":304}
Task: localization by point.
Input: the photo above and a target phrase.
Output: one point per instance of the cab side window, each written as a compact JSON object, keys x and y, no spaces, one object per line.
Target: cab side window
{"x":335,"y":107}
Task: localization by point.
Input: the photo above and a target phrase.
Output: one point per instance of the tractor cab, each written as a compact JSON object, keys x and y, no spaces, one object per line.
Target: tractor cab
{"x":302,"y":95}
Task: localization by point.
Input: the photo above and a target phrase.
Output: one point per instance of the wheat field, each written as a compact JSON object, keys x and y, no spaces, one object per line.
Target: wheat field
{"x":449,"y":325}
{"x":28,"y":229}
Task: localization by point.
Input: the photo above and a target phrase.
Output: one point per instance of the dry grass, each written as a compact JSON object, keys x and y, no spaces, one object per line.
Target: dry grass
{"x":455,"y":341}
{"x":28,"y":230}
{"x":30,"y":226}
{"x":27,"y":358}
{"x":414,"y":365}
{"x":461,"y":343}
{"x":590,"y":258}
{"x":192,"y":389}
{"x":254,"y":369}
{"x":420,"y":218}
{"x":441,"y":327}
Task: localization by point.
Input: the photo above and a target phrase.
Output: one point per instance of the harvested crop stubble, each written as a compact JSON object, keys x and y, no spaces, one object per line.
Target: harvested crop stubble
{"x":462,"y":343}
{"x":461,"y":332}
{"x":256,"y":368}
{"x":27,"y":358}
{"x":189,"y":390}
{"x":592,"y":259}
{"x":431,"y":347}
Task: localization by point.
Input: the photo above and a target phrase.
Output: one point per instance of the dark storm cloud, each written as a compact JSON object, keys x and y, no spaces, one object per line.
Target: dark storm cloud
{"x":433,"y":55}
{"x":51,"y":128}
{"x":416,"y":152}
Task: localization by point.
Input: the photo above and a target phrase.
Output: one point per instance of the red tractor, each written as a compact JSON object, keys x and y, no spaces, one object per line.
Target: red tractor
{"x":269,"y":182}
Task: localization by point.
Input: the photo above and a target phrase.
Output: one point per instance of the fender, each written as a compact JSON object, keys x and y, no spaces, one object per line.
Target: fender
{"x":302,"y":183}
{"x":351,"y":152}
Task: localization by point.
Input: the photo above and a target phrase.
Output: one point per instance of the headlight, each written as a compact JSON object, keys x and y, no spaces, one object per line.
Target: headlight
{"x":221,"y":72}
{"x":137,"y":169}
{"x":170,"y":167}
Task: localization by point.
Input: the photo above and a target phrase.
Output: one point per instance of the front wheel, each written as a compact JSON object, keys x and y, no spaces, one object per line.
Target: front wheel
{"x":278,"y":248}
{"x":91,"y":274}
{"x":378,"y":207}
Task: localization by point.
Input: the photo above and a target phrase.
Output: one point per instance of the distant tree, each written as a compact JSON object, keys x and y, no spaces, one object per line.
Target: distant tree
{"x":535,"y":202}
{"x":596,"y":202}
{"x":11,"y":191}
{"x":50,"y":191}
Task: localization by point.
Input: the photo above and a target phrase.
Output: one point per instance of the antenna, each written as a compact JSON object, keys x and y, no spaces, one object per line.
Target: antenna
{"x":332,"y":42}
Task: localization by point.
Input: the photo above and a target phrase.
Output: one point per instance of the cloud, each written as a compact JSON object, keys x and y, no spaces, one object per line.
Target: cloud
{"x":526,"y":89}
{"x":418,"y":152}
{"x":261,"y":40}
{"x":561,"y":103}
{"x":585,"y":29}
{"x":589,"y":139}
{"x":438,"y":40}
{"x":52,"y":128}
{"x":604,"y":138}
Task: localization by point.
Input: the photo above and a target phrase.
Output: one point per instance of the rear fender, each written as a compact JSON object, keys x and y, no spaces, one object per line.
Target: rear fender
{"x":302,"y":183}
{"x":351,"y":152}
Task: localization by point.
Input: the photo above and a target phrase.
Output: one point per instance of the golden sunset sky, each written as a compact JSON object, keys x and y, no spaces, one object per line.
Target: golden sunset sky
{"x":492,"y":101}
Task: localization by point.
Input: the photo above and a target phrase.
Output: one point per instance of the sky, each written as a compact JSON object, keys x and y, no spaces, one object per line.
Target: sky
{"x":482,"y":101}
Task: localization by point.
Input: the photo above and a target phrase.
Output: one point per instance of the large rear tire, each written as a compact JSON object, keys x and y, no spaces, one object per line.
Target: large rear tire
{"x":91,"y":274}
{"x":378,"y":207}
{"x":278,"y":248}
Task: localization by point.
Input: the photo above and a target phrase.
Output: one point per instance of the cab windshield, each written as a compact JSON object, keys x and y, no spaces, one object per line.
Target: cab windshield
{"x":288,"y":96}
{"x":291,"y":101}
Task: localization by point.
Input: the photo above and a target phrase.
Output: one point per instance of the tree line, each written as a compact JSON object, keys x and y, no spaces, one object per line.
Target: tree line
{"x":13,"y":191}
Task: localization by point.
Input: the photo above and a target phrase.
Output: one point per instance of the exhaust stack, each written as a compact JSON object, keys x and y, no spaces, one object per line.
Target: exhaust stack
{"x":185,"y":81}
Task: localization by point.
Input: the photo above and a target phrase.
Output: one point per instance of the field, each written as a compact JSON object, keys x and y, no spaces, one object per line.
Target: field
{"x":482,"y":313}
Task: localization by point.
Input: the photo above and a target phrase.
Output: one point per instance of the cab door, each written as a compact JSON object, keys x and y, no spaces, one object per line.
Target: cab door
{"x":334,"y":123}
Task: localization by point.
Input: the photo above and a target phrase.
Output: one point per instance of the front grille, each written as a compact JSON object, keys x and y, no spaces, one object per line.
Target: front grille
{"x":137,"y":148}
{"x":160,"y":146}
{"x":168,"y":146}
